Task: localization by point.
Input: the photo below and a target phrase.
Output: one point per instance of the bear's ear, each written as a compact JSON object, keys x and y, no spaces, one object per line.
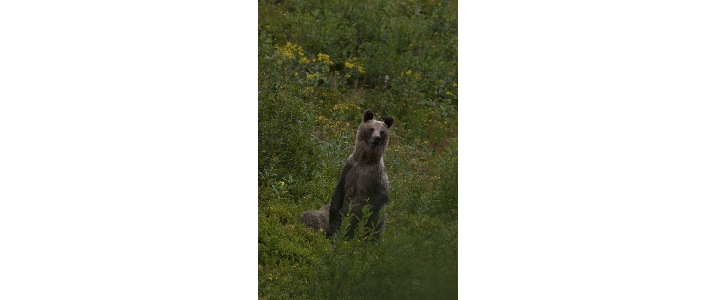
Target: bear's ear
{"x":389,"y":121}
{"x":368,"y":115}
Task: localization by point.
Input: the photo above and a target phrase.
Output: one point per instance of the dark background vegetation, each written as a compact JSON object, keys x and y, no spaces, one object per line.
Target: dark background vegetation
{"x":321,"y":64}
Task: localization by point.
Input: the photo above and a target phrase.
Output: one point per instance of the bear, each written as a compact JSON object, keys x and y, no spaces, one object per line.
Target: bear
{"x":363,"y":180}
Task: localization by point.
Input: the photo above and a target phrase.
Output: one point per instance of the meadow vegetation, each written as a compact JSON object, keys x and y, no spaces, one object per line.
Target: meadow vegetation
{"x":321,"y":64}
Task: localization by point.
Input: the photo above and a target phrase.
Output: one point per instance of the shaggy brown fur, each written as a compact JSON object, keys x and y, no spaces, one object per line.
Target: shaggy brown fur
{"x":316,"y":219}
{"x":363,"y":180}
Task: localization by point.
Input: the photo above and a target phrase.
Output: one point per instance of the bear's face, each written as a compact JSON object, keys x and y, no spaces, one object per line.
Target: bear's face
{"x":373,"y":134}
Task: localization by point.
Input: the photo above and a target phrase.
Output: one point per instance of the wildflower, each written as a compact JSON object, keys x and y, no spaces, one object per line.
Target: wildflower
{"x":289,"y":50}
{"x":304,"y":60}
{"x":324,"y":57}
{"x":449,"y":93}
{"x":348,"y":65}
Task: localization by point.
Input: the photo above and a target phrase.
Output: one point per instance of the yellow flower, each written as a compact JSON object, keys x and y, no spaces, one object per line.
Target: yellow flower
{"x":304,"y":60}
{"x":408,"y":73}
{"x":348,"y":65}
{"x":324,"y":57}
{"x":289,"y":49}
{"x":449,"y":93}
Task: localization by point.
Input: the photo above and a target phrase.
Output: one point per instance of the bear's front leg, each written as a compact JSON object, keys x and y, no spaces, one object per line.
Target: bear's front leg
{"x":335,"y":221}
{"x":335,"y":218}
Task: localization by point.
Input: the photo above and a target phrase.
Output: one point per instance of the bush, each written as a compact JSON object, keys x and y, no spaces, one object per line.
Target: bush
{"x":401,"y":267}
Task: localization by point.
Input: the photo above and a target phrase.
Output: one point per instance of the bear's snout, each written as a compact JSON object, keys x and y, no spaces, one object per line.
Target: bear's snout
{"x":375,"y":141}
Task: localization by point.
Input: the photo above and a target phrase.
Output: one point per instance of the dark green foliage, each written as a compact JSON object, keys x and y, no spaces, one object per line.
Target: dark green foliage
{"x":392,"y":269}
{"x":321,"y":64}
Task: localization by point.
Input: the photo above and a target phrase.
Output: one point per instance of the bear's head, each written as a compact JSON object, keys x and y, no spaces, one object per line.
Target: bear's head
{"x":372,"y":137}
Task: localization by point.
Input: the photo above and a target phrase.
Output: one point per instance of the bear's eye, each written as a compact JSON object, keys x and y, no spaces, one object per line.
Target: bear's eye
{"x":382,"y":132}
{"x":371,"y":129}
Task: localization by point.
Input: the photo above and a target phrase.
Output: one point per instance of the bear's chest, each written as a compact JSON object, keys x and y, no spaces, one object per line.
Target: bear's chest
{"x":365,"y":180}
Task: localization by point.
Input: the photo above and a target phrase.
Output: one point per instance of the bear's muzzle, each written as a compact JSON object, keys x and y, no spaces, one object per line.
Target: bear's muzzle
{"x":375,"y":141}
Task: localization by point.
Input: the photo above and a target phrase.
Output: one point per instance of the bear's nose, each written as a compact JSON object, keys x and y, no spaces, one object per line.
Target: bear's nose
{"x":376,"y":139}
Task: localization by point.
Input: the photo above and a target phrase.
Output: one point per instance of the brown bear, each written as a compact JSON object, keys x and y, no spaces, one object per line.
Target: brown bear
{"x":363,"y":180}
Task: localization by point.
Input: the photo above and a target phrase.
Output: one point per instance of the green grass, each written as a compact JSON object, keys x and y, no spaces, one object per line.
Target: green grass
{"x":321,"y":64}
